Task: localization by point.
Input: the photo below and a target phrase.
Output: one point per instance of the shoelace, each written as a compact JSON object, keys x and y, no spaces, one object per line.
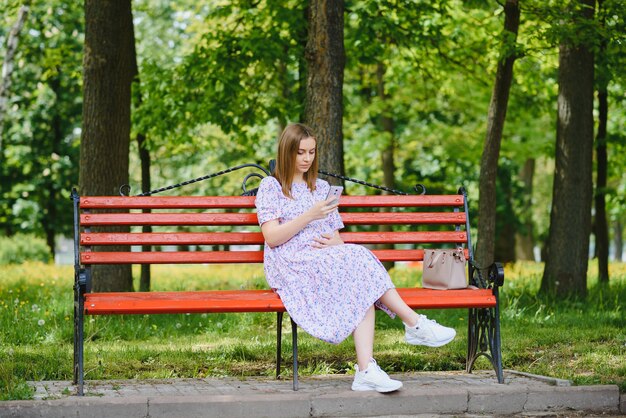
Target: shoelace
{"x":377,"y":367}
{"x":424,"y":318}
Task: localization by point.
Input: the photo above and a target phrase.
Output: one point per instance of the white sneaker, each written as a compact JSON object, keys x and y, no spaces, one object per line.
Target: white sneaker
{"x":429,"y":333}
{"x":374,"y":378}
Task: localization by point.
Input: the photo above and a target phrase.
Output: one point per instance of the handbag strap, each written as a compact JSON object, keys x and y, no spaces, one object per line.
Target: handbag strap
{"x":434,"y":258}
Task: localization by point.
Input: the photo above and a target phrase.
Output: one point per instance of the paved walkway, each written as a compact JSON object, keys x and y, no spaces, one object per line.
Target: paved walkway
{"x":423,"y":395}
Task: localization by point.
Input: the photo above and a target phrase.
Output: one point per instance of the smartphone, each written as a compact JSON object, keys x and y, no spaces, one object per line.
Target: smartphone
{"x":334,"y":191}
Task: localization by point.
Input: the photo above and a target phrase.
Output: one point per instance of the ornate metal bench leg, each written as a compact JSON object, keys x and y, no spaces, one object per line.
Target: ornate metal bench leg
{"x":484,"y":323}
{"x":484,"y":339}
{"x":294,"y":331}
{"x":496,"y":349}
{"x":279,"y":339}
{"x":472,"y":339}
{"x":80,"y":285}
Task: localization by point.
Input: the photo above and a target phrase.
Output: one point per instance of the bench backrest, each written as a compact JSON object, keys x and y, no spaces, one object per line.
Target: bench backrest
{"x":435,"y":221}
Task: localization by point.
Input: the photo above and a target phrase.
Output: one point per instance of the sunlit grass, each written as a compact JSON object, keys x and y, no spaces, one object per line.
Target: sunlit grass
{"x":584,"y":341}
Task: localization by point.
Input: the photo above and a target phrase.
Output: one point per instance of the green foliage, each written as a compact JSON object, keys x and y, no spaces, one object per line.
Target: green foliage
{"x":432,"y":87}
{"x":244,"y":70}
{"x":23,"y":247}
{"x":38,"y":162}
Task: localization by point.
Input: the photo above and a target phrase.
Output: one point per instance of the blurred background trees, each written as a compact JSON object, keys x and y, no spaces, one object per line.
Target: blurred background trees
{"x":217,"y":81}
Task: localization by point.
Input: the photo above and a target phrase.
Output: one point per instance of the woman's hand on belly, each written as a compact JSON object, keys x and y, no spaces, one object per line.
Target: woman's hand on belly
{"x":327,"y":240}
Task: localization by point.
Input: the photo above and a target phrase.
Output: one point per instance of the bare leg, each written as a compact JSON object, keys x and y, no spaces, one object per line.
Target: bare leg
{"x":364,"y":339}
{"x":393,"y":301}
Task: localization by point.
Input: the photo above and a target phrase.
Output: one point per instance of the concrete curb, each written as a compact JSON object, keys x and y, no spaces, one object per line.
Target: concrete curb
{"x":579,"y":399}
{"x":429,"y":394}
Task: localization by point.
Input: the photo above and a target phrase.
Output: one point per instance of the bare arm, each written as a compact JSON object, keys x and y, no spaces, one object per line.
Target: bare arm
{"x":276,"y":234}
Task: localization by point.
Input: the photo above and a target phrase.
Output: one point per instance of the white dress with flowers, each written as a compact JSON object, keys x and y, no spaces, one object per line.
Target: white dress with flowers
{"x":325,"y":291}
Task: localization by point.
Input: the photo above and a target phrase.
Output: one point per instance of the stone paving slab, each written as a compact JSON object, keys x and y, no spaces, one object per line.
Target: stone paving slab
{"x":424,"y":394}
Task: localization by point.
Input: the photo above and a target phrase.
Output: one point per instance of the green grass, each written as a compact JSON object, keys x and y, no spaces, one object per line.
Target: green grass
{"x":583,"y":341}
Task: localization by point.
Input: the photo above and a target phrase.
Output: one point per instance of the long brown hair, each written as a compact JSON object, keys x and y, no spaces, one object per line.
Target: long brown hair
{"x":288,"y":146}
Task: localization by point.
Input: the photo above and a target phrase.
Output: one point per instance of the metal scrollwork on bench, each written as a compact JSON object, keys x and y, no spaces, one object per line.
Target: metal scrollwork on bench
{"x":488,"y":278}
{"x":419,"y":188}
{"x":125,"y":189}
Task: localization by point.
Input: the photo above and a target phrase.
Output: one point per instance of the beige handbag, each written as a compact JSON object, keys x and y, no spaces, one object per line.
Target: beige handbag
{"x":444,"y":269}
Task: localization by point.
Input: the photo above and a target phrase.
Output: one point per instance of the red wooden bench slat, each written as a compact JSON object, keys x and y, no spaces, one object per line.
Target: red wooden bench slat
{"x":172,"y":257}
{"x":217,"y":257}
{"x":252,"y":238}
{"x":166,"y":202}
{"x":103,"y":219}
{"x":206,"y":202}
{"x":162,"y":219}
{"x":172,"y":238}
{"x":411,"y":237}
{"x":260,"y":301}
{"x":401,"y":201}
{"x":404,"y":218}
{"x":183,"y":302}
{"x":420,"y":298}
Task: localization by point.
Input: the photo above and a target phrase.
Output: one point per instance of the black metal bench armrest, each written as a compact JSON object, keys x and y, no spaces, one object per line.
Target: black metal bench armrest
{"x":496,"y":274}
{"x":492,"y":276}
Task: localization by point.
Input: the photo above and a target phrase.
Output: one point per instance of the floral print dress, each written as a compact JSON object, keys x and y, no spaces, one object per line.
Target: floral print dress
{"x":326,"y":291}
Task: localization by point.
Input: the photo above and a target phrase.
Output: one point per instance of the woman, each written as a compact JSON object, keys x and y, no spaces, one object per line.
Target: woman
{"x":329,"y":288}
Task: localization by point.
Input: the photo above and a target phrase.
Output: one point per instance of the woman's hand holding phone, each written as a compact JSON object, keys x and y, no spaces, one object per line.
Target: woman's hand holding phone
{"x":334,"y":193}
{"x":321,"y":209}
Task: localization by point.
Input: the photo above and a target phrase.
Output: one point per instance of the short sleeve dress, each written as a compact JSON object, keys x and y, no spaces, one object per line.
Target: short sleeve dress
{"x":325,"y":291}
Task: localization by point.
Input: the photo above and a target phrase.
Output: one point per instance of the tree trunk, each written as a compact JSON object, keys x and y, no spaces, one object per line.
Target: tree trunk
{"x":388,"y":164}
{"x":107,"y":78}
{"x":506,"y":227}
{"x":618,"y":240}
{"x":485,"y":246}
{"x":600,"y":226}
{"x":7,"y":65}
{"x":325,"y":58}
{"x":144,"y":157}
{"x":524,"y":241}
{"x":49,"y":220}
{"x":565,"y":271}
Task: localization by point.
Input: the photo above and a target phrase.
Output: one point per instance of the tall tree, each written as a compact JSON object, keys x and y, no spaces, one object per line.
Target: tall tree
{"x":565,"y":271}
{"x":144,"y":158}
{"x":600,"y":225}
{"x":485,"y":246}
{"x":618,"y":240}
{"x":524,"y":239}
{"x":108,"y":75}
{"x":325,"y":57}
{"x":387,"y":155}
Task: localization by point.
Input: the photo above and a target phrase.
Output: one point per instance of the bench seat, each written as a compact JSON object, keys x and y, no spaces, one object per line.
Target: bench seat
{"x":179,"y":230}
{"x":261,"y":301}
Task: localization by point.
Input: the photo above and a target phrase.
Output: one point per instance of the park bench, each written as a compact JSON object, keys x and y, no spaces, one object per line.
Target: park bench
{"x":421,"y":221}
